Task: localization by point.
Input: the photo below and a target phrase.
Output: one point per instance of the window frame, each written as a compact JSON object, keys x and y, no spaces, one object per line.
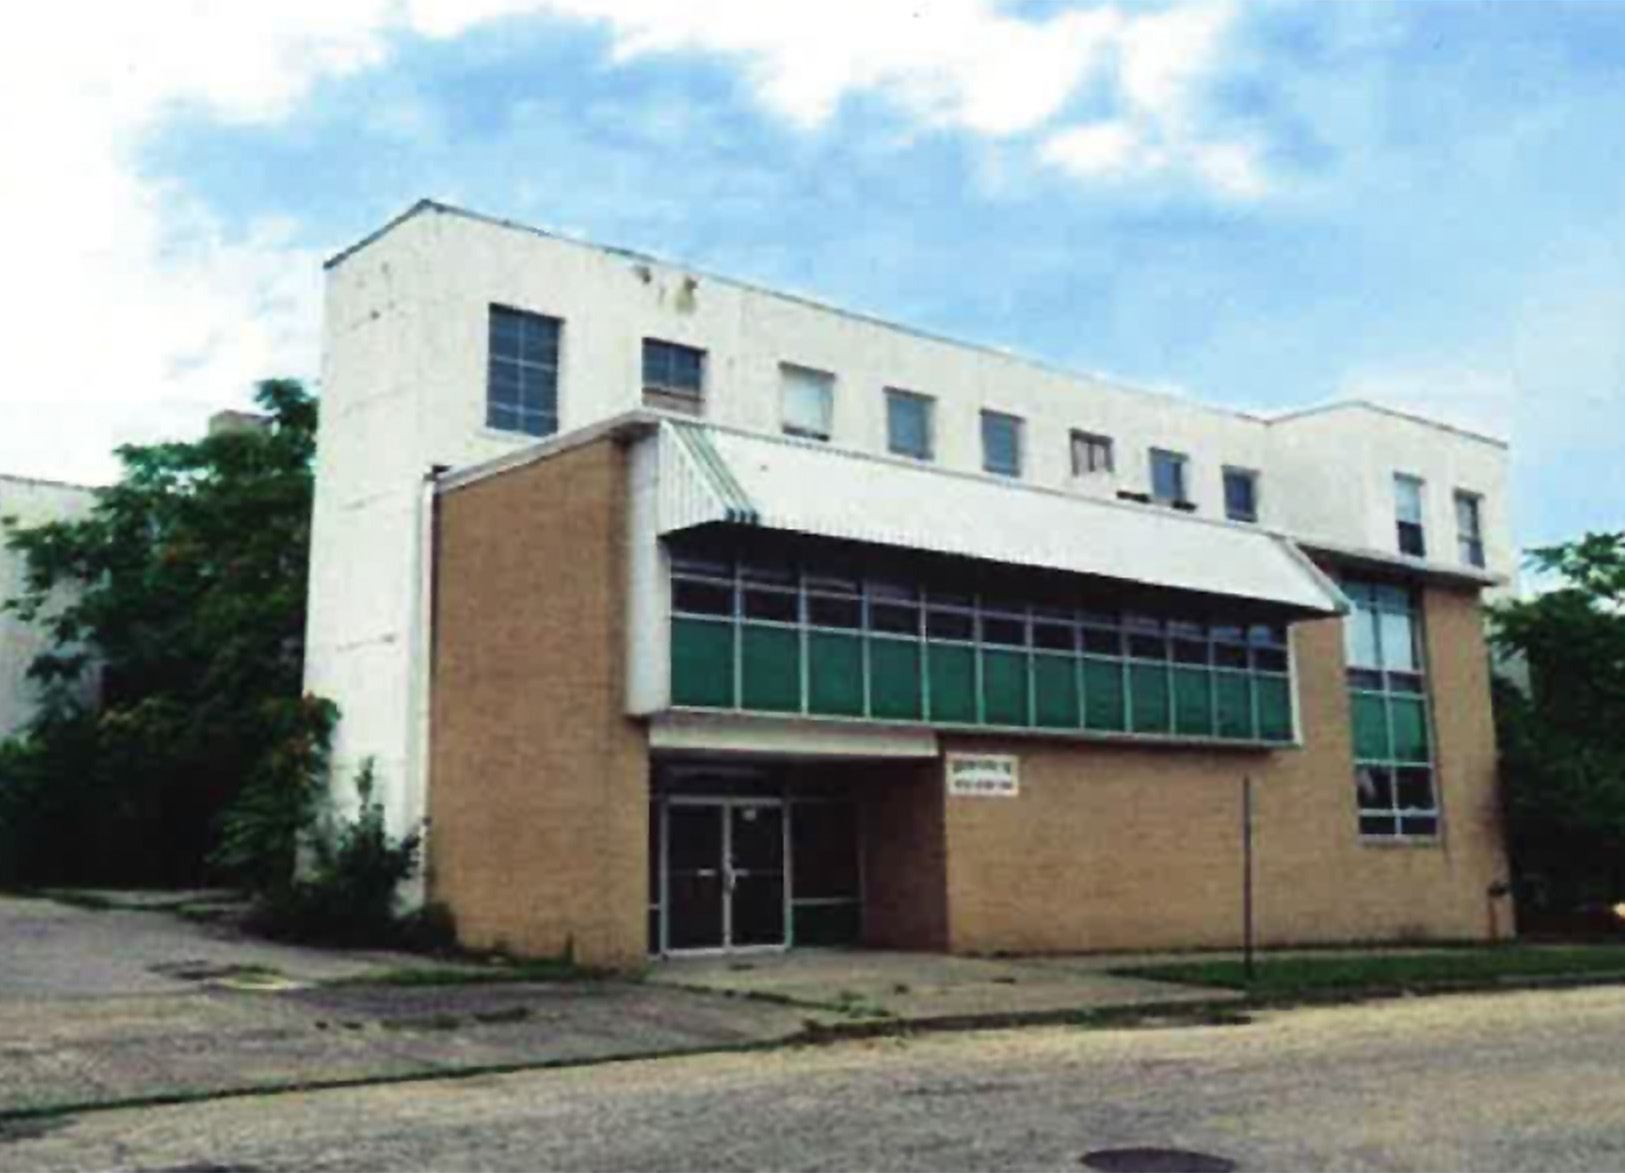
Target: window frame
{"x":1017,"y":430}
{"x":696,"y":394}
{"x":1409,"y":532}
{"x":1089,"y":446}
{"x":1180,"y":461}
{"x":1470,"y":545}
{"x":826,"y":381}
{"x":1385,"y":684}
{"x":928,"y":407}
{"x":1252,"y":477}
{"x":549,"y":372}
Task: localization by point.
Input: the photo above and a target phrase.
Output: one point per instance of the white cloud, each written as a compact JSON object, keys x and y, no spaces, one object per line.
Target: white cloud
{"x":132,"y":311}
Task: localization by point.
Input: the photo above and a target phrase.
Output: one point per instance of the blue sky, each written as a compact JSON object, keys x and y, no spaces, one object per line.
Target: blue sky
{"x":1266,"y":205}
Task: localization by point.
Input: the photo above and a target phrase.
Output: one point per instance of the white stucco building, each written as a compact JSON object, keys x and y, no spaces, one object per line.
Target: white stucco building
{"x":29,"y":502}
{"x":454,"y":340}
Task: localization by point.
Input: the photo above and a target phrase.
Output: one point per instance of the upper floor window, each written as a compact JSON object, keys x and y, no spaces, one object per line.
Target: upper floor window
{"x":673,"y":375}
{"x":1408,"y":515}
{"x":1241,"y":494}
{"x":1388,"y":706}
{"x":908,"y":424}
{"x":808,"y":401}
{"x":522,"y":372}
{"x":1091,"y":453}
{"x":1168,"y":477}
{"x":1470,"y":527}
{"x":1001,"y":443}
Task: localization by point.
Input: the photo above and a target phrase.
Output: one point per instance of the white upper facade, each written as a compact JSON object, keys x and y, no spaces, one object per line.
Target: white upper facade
{"x":411,"y":308}
{"x":29,"y":503}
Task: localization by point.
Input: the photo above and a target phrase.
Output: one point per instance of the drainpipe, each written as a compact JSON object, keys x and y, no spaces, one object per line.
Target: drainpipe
{"x":421,"y":650}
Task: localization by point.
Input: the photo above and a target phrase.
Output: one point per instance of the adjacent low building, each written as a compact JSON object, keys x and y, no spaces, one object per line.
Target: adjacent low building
{"x":27,"y":502}
{"x":695,"y":617}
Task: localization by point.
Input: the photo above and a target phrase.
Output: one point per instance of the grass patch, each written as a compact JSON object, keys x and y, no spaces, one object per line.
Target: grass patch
{"x":1289,"y":976}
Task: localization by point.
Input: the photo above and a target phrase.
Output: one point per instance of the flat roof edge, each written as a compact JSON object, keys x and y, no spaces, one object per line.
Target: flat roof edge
{"x":1358,"y":404}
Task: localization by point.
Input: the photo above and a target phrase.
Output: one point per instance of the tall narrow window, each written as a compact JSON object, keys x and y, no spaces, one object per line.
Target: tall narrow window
{"x":808,"y":401}
{"x":1470,"y":527}
{"x":1001,"y":444}
{"x":1241,"y":494}
{"x":1168,"y":479}
{"x":1091,"y":453}
{"x":522,"y":372}
{"x":908,"y":424}
{"x":1408,"y":515}
{"x":1388,"y":701}
{"x":673,"y":376}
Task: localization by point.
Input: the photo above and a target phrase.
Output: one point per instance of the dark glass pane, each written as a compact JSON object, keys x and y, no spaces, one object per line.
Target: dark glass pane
{"x":1415,"y":789}
{"x":1167,"y":476}
{"x":1405,"y":682}
{"x":1054,"y":637}
{"x":894,"y":618}
{"x":1233,"y":693}
{"x":1267,"y":634}
{"x":908,"y":425}
{"x":1378,"y":826}
{"x":1003,"y":631}
{"x":1270,"y":659}
{"x":1365,"y":679}
{"x":1411,"y":540}
{"x":834,"y":612}
{"x":1371,"y":742}
{"x":1230,"y":655}
{"x":1188,"y":652}
{"x":1239,"y":498}
{"x":827,"y":924}
{"x":950,"y":625}
{"x":1149,"y":707}
{"x":1001,"y":444}
{"x":1374,"y":787}
{"x":1422,"y":826}
{"x":701,"y":598}
{"x":1102,"y":643}
{"x":767,"y":570}
{"x":1274,"y":708}
{"x":1147,"y":647}
{"x":774,"y":606}
{"x":1410,"y":729}
{"x":894,"y":590}
{"x":1193,"y":702}
{"x":758,"y":910}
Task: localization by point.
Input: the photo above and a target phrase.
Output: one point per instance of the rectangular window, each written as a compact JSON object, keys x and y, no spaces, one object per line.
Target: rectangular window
{"x":1389,"y":712}
{"x":908,"y":424}
{"x":1241,"y":494}
{"x":673,"y":376}
{"x":1408,"y":515}
{"x":1001,"y":444}
{"x":1168,"y":485}
{"x":522,"y":372}
{"x":1091,"y":454}
{"x":808,"y":401}
{"x":1470,"y":527}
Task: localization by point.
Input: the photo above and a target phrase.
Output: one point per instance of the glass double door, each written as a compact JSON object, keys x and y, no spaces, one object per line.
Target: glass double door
{"x":724,"y":874}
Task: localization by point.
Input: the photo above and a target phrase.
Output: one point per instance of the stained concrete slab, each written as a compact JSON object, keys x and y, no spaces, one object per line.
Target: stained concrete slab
{"x":923,"y":986}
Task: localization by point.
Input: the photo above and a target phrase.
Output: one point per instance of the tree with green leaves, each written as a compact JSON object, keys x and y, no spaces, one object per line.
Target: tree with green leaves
{"x":183,"y":594}
{"x":1563,"y":737}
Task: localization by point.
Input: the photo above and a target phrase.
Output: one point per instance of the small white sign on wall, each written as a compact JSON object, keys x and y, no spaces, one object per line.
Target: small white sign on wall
{"x":982,"y":775}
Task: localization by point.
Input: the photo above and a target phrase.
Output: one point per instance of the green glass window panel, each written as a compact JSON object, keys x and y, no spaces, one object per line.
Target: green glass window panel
{"x":1410,"y":729}
{"x":1193,"y":702}
{"x":1233,"y":697}
{"x":1149,"y":685}
{"x":1103,"y":695}
{"x":1004,"y":688}
{"x":826,"y":924}
{"x":895,"y":680}
{"x":953,"y":683}
{"x":835,"y":674}
{"x":1274,"y":708}
{"x":1055,"y":692}
{"x":702,"y":663}
{"x":1371,"y":728}
{"x":770,"y":669}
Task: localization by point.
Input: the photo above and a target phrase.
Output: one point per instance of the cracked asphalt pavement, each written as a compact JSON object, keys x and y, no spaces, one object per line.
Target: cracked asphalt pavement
{"x":1531,"y":1080}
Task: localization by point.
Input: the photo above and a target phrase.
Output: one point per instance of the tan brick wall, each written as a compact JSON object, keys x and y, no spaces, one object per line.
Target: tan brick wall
{"x":538,"y":795}
{"x":1122,"y":847}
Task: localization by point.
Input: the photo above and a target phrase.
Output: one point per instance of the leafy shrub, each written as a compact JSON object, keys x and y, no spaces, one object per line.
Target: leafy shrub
{"x":346,"y":894}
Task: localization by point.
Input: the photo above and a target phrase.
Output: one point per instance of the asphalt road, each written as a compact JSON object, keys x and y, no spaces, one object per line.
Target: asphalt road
{"x":1510,"y":1081}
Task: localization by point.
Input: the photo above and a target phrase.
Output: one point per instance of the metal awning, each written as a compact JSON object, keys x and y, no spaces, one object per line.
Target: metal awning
{"x":710,"y":474}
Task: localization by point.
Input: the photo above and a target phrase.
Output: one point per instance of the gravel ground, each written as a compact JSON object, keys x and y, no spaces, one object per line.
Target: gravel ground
{"x":1506,"y":1081}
